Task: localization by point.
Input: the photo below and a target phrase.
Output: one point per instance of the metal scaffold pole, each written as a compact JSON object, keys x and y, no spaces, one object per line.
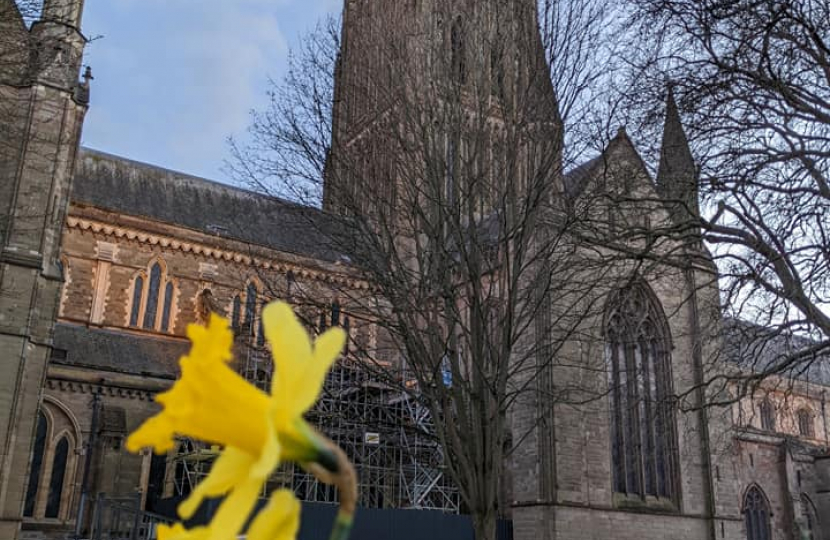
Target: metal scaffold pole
{"x":384,"y":428}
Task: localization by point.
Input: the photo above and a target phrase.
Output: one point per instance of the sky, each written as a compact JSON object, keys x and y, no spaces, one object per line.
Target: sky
{"x":175,"y":78}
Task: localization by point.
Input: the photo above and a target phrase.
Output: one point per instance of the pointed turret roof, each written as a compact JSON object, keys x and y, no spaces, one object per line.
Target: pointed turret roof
{"x":676,"y":175}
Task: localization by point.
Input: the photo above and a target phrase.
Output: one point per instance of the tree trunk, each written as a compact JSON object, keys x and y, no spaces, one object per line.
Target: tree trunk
{"x":484,"y":524}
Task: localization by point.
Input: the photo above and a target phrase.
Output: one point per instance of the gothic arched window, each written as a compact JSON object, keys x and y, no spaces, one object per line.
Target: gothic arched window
{"x":805,"y":422}
{"x":236,"y":308}
{"x":809,"y":519}
{"x":153,"y":296}
{"x":37,"y":464}
{"x":53,"y":500}
{"x":321,"y":323}
{"x":756,"y":514}
{"x":642,"y":419}
{"x":168,"y":302}
{"x":138,"y":289}
{"x":260,"y":334}
{"x":53,"y":463}
{"x":247,"y":319}
{"x":458,"y":53}
{"x":767,"y":412}
{"x":250,"y":304}
{"x":335,"y":313}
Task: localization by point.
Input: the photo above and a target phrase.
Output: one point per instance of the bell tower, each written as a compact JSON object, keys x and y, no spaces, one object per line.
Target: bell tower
{"x":410,"y":72}
{"x":42,"y":107}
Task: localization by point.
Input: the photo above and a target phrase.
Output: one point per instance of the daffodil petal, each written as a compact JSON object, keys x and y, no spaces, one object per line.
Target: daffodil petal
{"x":165,"y":532}
{"x":269,"y":456}
{"x":289,"y":343}
{"x":279,"y":520}
{"x":233,"y":512}
{"x":178,"y":532}
{"x":213,"y":342}
{"x":231,"y":466}
{"x":210,"y":401}
{"x":327,"y":348}
{"x":157,"y":432}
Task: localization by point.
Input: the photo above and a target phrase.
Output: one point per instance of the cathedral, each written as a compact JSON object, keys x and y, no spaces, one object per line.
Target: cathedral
{"x":104,"y":261}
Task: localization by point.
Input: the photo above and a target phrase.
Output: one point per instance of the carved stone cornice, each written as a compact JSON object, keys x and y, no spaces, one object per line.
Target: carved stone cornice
{"x":79,"y":387}
{"x":207,"y":251}
{"x":85,"y":381}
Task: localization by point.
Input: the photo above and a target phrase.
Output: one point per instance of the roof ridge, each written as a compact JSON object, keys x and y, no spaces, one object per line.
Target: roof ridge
{"x":85,"y":150}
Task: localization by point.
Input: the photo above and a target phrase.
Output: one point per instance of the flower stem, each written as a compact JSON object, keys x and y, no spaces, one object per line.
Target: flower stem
{"x":342,"y":526}
{"x":345,"y":479}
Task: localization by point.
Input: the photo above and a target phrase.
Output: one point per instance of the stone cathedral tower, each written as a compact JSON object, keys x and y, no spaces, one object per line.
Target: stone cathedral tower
{"x":42,"y":107}
{"x":443,"y":90}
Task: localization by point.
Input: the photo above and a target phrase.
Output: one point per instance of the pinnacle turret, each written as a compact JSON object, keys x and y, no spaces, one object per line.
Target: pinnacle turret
{"x":677,"y":174}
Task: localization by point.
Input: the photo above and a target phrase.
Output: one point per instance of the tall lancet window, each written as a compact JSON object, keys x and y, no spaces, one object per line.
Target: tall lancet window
{"x":236,"y":310}
{"x":642,"y":419}
{"x":53,"y":500}
{"x":251,"y":293}
{"x":153,"y":291}
{"x":251,"y":317}
{"x":138,"y":290}
{"x":153,"y":298}
{"x":756,"y":515}
{"x":36,"y":464}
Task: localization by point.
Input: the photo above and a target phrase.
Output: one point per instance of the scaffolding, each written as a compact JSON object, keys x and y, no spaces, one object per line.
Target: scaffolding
{"x":386,"y":431}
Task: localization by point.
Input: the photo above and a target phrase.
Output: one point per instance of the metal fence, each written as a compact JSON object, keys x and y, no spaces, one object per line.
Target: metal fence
{"x":123,"y":519}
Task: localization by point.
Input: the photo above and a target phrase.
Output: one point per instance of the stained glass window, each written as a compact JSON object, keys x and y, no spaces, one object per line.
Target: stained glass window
{"x":168,"y":302}
{"x":37,"y":464}
{"x":138,"y":288}
{"x":53,"y":501}
{"x":153,"y":289}
{"x":236,"y":309}
{"x":767,"y":412}
{"x":250,"y":305}
{"x":756,"y":515}
{"x":642,"y":424}
{"x":805,"y":423}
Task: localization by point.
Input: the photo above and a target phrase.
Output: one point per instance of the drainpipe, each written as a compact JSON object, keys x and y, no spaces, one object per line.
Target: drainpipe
{"x":90,"y":448}
{"x":824,"y":417}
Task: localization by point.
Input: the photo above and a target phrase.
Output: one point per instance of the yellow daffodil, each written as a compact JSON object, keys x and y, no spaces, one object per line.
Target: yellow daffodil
{"x":213,"y":403}
{"x":279,"y":520}
{"x":300,"y":370}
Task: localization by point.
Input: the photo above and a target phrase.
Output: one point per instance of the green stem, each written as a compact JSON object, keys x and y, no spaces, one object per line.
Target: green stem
{"x":342,"y":526}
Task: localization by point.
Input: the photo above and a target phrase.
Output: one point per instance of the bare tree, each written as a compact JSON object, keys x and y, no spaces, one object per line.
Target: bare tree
{"x":434,"y":140}
{"x":752,"y":78}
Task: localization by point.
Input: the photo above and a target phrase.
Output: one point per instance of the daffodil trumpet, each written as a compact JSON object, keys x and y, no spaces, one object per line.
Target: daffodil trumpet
{"x":257,"y":430}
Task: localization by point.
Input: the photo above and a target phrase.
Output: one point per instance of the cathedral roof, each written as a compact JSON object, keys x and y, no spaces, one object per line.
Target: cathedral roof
{"x":769,"y":350}
{"x":114,"y":351}
{"x":128,"y":187}
{"x":575,"y":178}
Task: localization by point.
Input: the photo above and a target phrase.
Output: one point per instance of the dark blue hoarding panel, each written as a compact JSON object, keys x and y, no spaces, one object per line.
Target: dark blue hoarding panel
{"x":370,"y":523}
{"x":393,"y":524}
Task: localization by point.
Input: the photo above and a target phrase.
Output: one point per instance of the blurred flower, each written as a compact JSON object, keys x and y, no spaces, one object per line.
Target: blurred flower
{"x":213,"y":403}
